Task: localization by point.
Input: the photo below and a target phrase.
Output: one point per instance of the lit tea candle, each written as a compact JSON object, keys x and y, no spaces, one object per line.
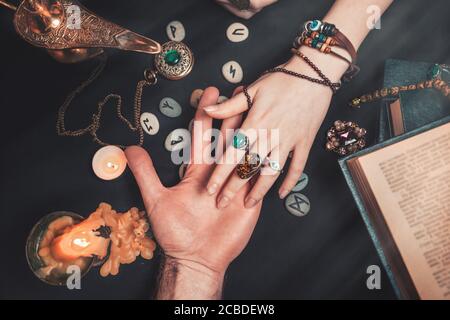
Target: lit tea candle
{"x":80,"y":240}
{"x":109,"y":162}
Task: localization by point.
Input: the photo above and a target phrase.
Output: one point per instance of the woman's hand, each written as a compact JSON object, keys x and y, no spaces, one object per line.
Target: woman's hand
{"x":255,"y":7}
{"x":292,"y":110}
{"x":198,"y":239}
{"x":294,"y":107}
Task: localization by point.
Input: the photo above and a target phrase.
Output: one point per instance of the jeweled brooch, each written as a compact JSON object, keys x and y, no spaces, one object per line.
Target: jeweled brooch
{"x":345,"y":137}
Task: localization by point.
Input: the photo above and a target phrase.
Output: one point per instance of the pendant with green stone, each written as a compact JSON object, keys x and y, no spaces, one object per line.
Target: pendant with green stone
{"x":174,"y":61}
{"x":172,"y":57}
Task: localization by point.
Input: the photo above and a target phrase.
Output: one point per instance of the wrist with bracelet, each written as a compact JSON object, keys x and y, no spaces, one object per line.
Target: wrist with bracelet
{"x":321,"y":36}
{"x":325,"y":37}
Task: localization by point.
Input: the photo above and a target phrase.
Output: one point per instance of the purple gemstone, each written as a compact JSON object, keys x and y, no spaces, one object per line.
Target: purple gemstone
{"x":347,"y":137}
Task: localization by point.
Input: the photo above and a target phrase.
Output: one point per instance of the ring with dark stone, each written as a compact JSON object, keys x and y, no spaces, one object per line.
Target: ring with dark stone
{"x":249,"y":166}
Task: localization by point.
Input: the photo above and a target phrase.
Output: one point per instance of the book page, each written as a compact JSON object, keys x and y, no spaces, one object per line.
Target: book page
{"x":411,"y":183}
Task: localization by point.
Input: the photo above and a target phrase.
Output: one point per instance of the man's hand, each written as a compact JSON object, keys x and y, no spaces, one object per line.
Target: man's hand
{"x":198,"y":239}
{"x":254,"y":7}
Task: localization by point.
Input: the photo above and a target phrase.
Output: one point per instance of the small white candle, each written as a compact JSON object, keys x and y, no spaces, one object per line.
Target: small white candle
{"x":109,"y":162}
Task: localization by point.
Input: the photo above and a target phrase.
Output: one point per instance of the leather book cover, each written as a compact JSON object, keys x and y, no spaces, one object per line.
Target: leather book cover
{"x":418,"y":108}
{"x":378,"y":230}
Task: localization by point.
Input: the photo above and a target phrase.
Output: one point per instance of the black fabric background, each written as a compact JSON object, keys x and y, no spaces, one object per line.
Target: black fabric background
{"x":324,"y":255}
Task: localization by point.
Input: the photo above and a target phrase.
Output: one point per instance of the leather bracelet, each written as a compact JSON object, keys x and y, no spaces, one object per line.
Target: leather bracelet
{"x":330,"y":30}
{"x":323,"y":36}
{"x":345,"y":43}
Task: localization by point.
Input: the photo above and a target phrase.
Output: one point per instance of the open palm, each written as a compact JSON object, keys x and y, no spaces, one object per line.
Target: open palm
{"x":185,"y":220}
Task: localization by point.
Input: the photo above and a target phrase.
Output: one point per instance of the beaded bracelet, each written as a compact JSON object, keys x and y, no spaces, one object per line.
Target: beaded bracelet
{"x":325,"y":80}
{"x":334,"y":86}
{"x":323,"y":36}
{"x":437,"y":84}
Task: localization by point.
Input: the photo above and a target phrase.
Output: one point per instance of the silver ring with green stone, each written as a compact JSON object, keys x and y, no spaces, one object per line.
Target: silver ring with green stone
{"x":175,"y":61}
{"x":240,"y":141}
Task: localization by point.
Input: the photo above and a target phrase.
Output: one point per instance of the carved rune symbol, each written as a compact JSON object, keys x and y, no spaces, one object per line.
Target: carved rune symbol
{"x":232,"y":71}
{"x":149,"y":127}
{"x":297,"y":205}
{"x":167,"y":105}
{"x":238,"y":32}
{"x":173,"y":29}
{"x":177,"y":141}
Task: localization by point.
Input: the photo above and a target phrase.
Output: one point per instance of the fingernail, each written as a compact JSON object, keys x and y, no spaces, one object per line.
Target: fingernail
{"x":212,"y":189}
{"x":211,"y":108}
{"x":223,"y":202}
{"x":250,"y":203}
{"x":283,"y":193}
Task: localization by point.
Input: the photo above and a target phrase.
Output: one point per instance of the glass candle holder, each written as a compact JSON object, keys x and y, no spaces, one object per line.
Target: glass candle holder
{"x":37,"y":264}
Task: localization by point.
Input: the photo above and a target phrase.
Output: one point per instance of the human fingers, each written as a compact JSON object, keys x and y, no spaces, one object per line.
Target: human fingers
{"x":229,"y":108}
{"x":259,"y":150}
{"x":228,"y":128}
{"x":269,"y":174}
{"x":201,"y":132}
{"x":144,"y":172}
{"x":298,"y":161}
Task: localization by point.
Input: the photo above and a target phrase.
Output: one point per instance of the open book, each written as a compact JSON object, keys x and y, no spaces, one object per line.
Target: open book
{"x":403,"y":189}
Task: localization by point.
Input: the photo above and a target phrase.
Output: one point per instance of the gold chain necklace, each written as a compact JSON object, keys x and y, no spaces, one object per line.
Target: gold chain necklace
{"x":174,"y":62}
{"x":96,"y":117}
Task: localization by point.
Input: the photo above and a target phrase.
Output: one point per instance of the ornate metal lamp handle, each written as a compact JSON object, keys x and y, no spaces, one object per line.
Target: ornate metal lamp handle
{"x":72,"y":33}
{"x":8,"y":5}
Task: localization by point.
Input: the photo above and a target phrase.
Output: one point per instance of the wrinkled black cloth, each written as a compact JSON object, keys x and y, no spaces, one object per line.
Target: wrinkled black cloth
{"x":322,"y":255}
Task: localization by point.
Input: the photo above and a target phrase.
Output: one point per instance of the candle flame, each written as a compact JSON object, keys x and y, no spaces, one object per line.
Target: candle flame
{"x":55,"y":23}
{"x":81,"y":242}
{"x":112,"y":165}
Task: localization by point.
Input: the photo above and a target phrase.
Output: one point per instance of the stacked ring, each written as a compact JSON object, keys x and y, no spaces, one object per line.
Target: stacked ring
{"x":274,"y":165}
{"x":240,"y":141}
{"x":250,"y":166}
{"x":248,"y":97}
{"x":251,"y":163}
